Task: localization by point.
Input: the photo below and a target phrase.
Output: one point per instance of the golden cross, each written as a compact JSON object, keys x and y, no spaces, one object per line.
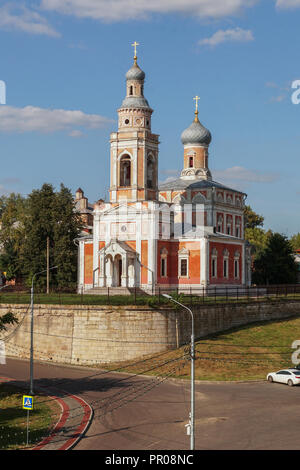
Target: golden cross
{"x":134,"y":45}
{"x":197,"y":98}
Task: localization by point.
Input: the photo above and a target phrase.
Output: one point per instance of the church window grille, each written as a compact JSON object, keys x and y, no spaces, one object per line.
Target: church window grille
{"x":183,"y":267}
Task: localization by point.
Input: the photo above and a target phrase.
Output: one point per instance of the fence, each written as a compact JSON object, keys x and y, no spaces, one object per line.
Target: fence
{"x":135,"y":296}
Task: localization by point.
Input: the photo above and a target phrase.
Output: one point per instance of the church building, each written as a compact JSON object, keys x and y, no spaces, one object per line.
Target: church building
{"x":181,"y":234}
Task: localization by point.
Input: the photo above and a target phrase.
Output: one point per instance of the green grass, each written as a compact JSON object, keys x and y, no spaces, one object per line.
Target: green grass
{"x":245,"y":353}
{"x":13,"y":419}
{"x":73,"y":299}
{"x":123,"y":300}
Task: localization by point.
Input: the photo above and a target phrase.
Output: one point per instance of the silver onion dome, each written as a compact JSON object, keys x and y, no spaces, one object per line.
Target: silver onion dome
{"x":135,"y":73}
{"x":196,"y":134}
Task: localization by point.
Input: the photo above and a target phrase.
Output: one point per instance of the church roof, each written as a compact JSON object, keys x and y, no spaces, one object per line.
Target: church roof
{"x":182,"y":184}
{"x":135,"y":102}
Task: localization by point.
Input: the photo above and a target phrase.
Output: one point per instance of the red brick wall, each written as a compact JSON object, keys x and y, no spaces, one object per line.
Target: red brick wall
{"x":232,"y":248}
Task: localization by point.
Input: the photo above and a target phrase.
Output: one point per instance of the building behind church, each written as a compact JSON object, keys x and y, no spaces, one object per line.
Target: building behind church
{"x":184,"y":233}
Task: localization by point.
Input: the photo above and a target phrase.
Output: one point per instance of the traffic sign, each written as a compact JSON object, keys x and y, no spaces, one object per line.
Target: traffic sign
{"x":27,"y":402}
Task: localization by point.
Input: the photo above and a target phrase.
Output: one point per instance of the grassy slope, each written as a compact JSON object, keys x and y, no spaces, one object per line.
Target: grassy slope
{"x":13,"y":422}
{"x":245,"y":353}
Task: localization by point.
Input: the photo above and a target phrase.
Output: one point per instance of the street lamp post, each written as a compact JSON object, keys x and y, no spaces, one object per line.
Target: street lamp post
{"x":192,"y":413}
{"x":31,"y":328}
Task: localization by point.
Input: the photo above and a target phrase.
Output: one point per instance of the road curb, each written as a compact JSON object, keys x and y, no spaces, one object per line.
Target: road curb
{"x":80,"y":430}
{"x":81,"y":427}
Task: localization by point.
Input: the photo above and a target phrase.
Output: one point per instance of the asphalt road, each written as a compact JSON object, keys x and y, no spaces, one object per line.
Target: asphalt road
{"x":136,"y":413}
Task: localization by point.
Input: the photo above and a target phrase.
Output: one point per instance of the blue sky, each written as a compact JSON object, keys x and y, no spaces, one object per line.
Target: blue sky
{"x":64,"y":64}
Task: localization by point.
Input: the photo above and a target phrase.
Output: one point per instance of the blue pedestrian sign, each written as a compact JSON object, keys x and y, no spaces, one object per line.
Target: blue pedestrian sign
{"x":27,"y":402}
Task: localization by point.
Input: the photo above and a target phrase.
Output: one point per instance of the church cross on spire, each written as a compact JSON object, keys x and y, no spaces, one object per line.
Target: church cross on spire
{"x":197,"y":98}
{"x":135,"y":44}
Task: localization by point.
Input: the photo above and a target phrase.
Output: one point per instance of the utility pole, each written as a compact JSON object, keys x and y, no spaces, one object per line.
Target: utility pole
{"x":48,"y":276}
{"x":31,"y":325}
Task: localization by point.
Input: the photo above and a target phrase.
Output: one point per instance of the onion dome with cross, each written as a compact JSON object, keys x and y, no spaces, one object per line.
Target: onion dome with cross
{"x":196,"y":133}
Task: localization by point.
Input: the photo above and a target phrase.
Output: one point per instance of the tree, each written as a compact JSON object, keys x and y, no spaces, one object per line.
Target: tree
{"x":295,"y":242}
{"x":51,"y":214}
{"x":258,"y":238}
{"x":12,"y":216}
{"x":252,"y":219}
{"x":67,"y":227}
{"x":276,"y":263}
{"x":255,"y":235}
{"x":7,"y":319}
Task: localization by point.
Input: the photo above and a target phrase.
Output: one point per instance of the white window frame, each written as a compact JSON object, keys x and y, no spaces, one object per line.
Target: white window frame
{"x":184,"y":255}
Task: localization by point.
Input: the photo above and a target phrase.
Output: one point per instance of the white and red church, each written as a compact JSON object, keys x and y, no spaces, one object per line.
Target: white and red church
{"x":185,"y":233}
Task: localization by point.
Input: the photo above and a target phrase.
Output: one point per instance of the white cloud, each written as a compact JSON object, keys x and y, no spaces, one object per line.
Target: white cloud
{"x":239,"y":174}
{"x":33,"y":119}
{"x":286,"y":4}
{"x":283,"y":91}
{"x":236,"y":35}
{"x":19,"y":18}
{"x":120,"y":10}
{"x":76,"y":133}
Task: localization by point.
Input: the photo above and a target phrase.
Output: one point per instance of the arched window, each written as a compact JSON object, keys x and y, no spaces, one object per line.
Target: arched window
{"x":214,"y":263}
{"x":163,"y":262}
{"x":150,"y":172}
{"x":131,"y":90}
{"x":237,"y":265}
{"x":125,"y":171}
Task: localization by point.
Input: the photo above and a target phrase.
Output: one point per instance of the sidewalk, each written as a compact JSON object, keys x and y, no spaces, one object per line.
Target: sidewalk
{"x":75,"y":418}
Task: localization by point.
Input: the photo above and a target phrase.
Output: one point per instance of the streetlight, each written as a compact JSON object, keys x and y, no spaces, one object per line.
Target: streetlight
{"x":192,"y":413}
{"x":31,"y":329}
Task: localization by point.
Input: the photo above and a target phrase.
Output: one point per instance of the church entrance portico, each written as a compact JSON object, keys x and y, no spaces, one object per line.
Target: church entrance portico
{"x":117,"y":265}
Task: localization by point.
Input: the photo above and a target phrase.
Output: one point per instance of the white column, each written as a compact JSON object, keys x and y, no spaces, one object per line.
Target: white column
{"x":102,"y":277}
{"x":108,"y":272}
{"x":124,"y":277}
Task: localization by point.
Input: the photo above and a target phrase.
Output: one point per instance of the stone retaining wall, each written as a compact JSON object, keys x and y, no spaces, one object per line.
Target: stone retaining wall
{"x":103,"y":334}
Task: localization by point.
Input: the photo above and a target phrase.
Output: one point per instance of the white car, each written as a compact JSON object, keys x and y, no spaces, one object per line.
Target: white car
{"x":285,"y":376}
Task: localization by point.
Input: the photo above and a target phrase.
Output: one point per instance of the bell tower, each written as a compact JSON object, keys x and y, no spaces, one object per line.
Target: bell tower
{"x":134,"y":149}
